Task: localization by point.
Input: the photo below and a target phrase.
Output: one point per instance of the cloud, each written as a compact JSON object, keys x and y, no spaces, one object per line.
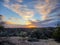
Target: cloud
{"x":19,"y":0}
{"x":45,"y":23}
{"x":30,"y":26}
{"x":12,"y":23}
{"x":28,"y":23}
{"x":2,"y":18}
{"x":45,"y":7}
{"x":13,"y":20}
{"x":6,"y":1}
{"x":9,"y":22}
{"x":21,"y":10}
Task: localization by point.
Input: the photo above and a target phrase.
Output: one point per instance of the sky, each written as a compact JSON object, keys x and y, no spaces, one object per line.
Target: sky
{"x":30,"y":13}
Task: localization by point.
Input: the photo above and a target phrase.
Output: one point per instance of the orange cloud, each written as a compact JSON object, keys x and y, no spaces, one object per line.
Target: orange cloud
{"x":47,"y":1}
{"x":27,"y":23}
{"x":31,"y":26}
{"x":17,"y":21}
{"x":8,"y":22}
{"x":13,"y":20}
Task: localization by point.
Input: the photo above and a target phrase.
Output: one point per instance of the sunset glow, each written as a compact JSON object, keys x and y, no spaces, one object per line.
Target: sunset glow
{"x":30,"y":13}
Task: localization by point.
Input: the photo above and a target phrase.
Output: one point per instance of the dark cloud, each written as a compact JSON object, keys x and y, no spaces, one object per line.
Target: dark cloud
{"x":58,"y":1}
{"x":45,"y":23}
{"x":56,"y":10}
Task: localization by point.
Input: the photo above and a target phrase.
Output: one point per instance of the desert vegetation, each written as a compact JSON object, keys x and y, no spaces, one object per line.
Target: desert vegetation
{"x":32,"y":34}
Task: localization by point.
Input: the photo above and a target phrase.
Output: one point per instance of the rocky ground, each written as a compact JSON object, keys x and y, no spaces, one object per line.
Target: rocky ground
{"x":19,"y":41}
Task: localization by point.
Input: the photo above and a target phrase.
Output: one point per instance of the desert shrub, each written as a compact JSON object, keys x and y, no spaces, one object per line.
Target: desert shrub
{"x":56,"y":34}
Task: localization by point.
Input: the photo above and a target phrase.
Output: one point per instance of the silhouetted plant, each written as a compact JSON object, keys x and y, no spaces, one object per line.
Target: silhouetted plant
{"x":56,"y":34}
